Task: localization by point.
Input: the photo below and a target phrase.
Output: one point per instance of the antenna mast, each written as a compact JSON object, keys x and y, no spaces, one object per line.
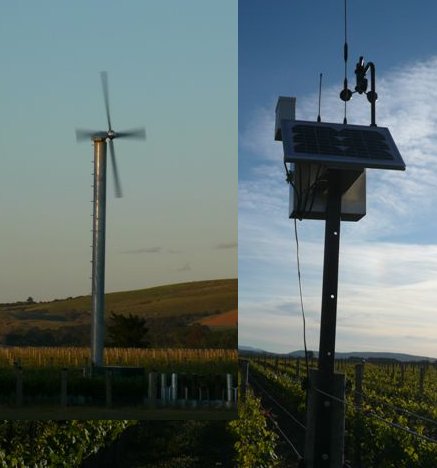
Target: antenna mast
{"x":360,"y":72}
{"x":319,"y":119}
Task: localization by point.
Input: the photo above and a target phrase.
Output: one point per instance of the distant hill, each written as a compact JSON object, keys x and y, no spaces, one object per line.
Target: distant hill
{"x":165,"y":309}
{"x":367,"y":355}
{"x":250,"y":349}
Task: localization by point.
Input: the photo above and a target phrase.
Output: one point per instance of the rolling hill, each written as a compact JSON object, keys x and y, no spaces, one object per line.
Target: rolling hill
{"x":164,"y":308}
{"x":367,"y":355}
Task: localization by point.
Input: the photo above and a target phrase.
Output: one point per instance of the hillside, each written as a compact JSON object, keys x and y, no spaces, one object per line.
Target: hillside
{"x":223,"y":320}
{"x":165,"y":308}
{"x":367,"y":355}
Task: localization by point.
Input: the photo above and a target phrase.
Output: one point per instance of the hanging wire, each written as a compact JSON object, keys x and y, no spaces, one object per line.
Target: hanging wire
{"x":301,"y":300}
{"x":314,"y":187}
{"x":289,"y":179}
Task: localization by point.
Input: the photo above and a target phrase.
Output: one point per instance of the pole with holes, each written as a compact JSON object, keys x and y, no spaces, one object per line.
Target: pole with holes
{"x":325,"y":433}
{"x":98,"y":263}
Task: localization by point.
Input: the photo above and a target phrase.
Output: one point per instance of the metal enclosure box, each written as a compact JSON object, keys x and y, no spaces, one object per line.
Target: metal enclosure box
{"x":285,"y":110}
{"x":308,"y":194}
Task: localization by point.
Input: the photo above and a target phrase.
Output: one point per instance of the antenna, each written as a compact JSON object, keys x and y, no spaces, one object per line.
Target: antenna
{"x":99,"y":214}
{"x":320,"y":96}
{"x":360,"y":72}
{"x":346,"y":93}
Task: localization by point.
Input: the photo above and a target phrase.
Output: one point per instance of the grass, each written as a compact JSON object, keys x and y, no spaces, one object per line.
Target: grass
{"x":195,"y":299}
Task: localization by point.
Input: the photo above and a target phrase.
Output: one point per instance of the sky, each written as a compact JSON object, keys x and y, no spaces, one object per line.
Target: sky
{"x":388,"y":261}
{"x":172,"y":68}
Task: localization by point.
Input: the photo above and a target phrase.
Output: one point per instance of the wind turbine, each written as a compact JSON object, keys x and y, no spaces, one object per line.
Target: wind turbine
{"x":99,"y":216}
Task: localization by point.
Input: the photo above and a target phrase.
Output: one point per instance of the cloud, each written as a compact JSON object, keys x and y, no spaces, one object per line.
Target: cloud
{"x":405,"y":106}
{"x":388,"y":260}
{"x":143,"y":251}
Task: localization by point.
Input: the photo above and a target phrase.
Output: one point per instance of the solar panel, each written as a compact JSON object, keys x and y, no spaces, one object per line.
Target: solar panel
{"x":340,"y":146}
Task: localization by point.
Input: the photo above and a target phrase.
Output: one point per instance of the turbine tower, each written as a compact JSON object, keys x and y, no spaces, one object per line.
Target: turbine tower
{"x":99,"y":139}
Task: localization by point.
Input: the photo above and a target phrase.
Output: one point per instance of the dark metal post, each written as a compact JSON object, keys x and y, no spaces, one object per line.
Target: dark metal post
{"x":323,"y":456}
{"x":98,"y":261}
{"x":372,"y":96}
{"x":330,"y":275}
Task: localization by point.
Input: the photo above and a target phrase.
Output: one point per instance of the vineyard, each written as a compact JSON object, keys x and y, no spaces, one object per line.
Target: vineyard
{"x":391,"y":409}
{"x":66,"y":443}
{"x":148,"y":378}
{"x":161,"y":359}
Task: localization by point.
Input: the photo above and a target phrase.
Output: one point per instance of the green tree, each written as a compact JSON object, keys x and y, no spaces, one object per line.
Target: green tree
{"x":127,"y":331}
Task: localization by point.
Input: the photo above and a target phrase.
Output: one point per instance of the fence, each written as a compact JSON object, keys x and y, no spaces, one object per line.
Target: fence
{"x":109,"y":389}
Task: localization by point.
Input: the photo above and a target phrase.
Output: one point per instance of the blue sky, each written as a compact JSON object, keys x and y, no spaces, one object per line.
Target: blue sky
{"x":388,"y":260}
{"x":172,"y":68}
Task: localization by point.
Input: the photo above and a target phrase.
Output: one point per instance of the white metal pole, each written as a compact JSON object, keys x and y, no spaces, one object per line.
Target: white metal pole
{"x":98,"y":261}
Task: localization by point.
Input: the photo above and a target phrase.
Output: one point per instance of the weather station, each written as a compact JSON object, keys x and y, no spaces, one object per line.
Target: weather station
{"x":99,"y":139}
{"x":325,"y":166}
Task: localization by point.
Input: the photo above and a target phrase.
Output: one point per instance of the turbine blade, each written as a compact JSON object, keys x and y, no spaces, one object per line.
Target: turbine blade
{"x":135,"y":133}
{"x":82,"y":135}
{"x":104,"y":78}
{"x":117,"y":185}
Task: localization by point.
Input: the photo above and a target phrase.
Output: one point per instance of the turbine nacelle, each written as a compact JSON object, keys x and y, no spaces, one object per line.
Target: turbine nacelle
{"x":136,"y":133}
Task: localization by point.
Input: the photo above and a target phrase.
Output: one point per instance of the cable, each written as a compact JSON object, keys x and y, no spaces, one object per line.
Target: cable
{"x":301,"y":300}
{"x":374,"y":415}
{"x":313,"y":188}
{"x":263,"y":390}
{"x":308,"y":189}
{"x":398,"y":426}
{"x":397,"y":408}
{"x":291,"y":182}
{"x":299,"y":456}
{"x":301,"y":207}
{"x":344,"y":402}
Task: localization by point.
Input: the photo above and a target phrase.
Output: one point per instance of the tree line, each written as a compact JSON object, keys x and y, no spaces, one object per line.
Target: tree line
{"x":128,"y":331}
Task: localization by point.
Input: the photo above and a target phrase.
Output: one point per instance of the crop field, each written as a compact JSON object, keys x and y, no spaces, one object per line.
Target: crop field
{"x":391,"y":412}
{"x":160,"y":360}
{"x":49,"y":378}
